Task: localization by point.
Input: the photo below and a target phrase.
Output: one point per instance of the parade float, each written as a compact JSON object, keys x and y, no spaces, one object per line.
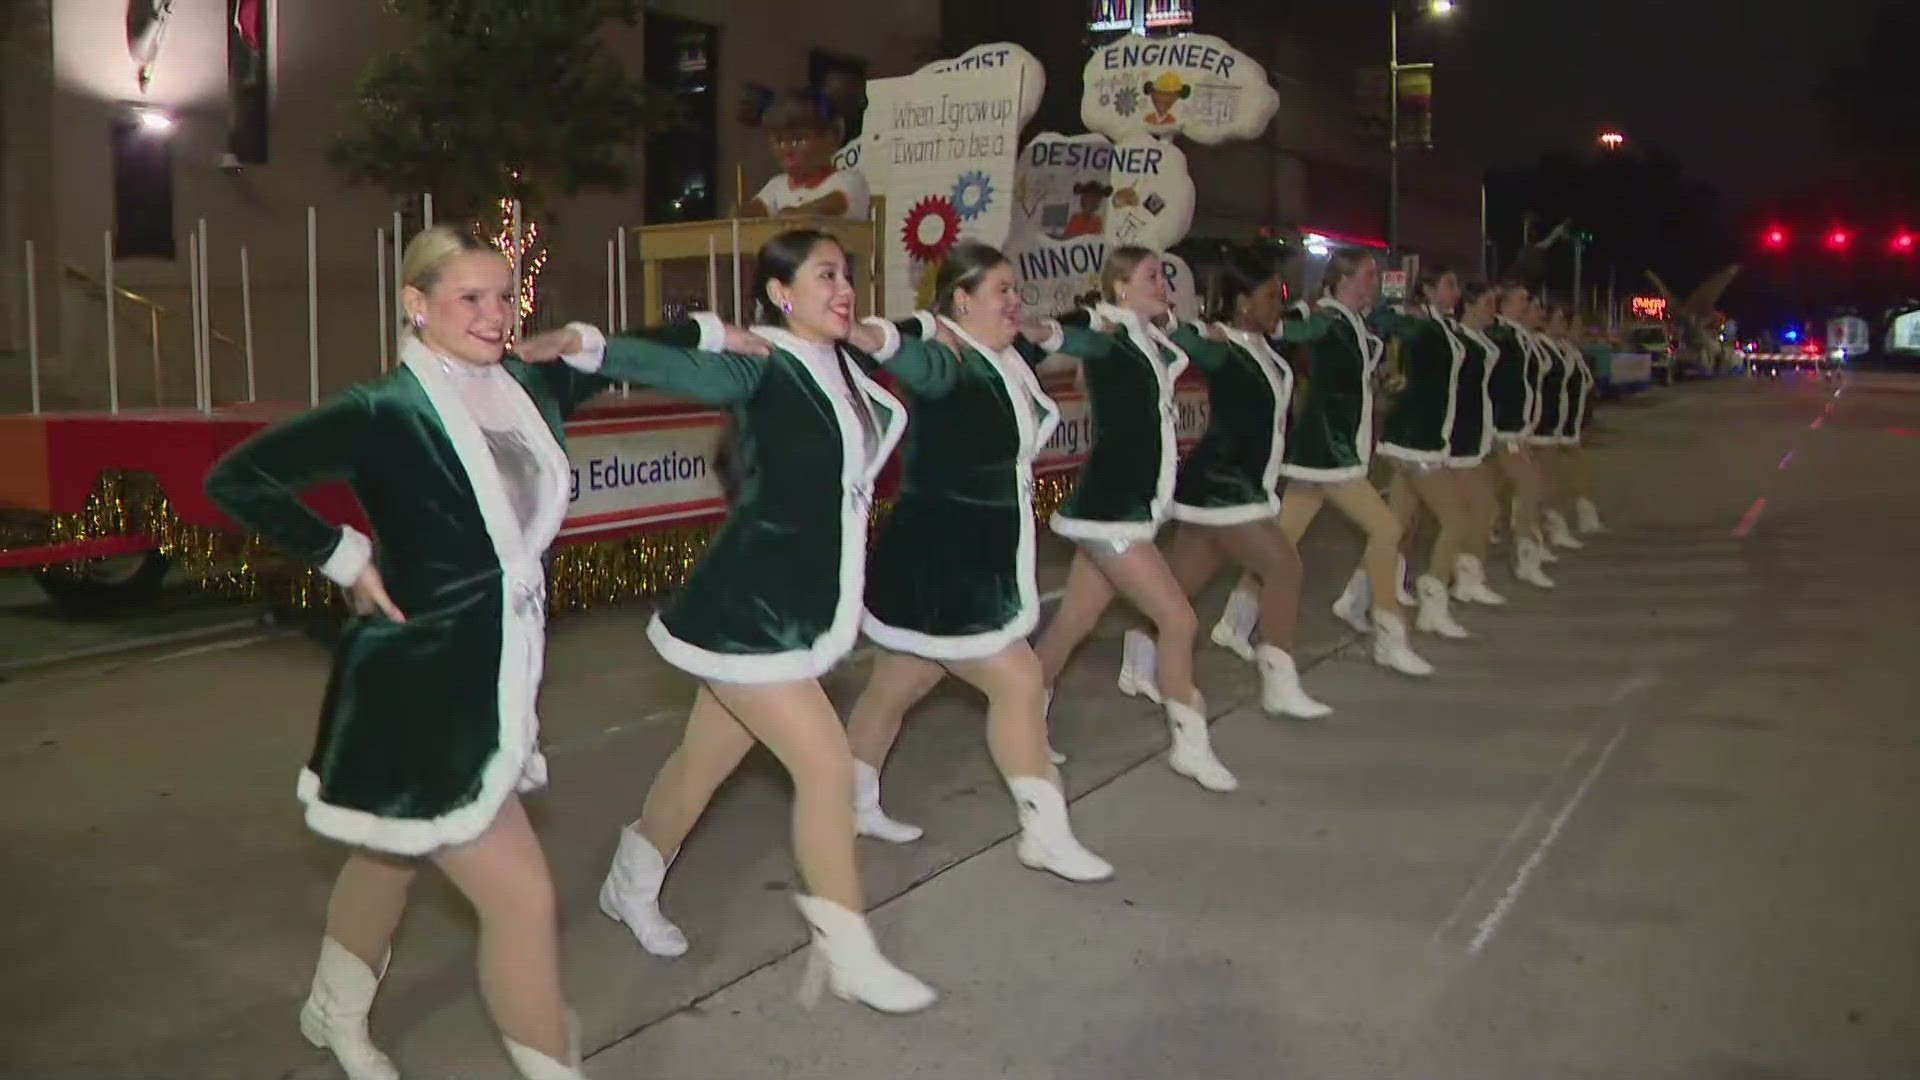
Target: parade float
{"x":102,"y":505}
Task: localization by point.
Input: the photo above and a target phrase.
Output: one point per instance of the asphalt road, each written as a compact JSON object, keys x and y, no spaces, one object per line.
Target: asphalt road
{"x":1656,"y":824}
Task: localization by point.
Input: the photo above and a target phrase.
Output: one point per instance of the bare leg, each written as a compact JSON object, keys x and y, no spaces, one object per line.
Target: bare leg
{"x":1087,"y":595}
{"x":1521,"y":471}
{"x":368,"y":899}
{"x":1262,"y":548}
{"x":1363,"y":506}
{"x":1298,"y":507}
{"x":897,"y":684}
{"x":1016,"y":709}
{"x":1142,"y":576}
{"x":503,"y":874}
{"x":1194,"y":557}
{"x":1483,"y":505}
{"x":797,"y":722}
{"x":1439,"y":490}
{"x":710,"y":749}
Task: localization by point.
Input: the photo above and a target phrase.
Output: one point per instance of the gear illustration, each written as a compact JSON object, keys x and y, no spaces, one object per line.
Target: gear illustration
{"x":972,"y":194}
{"x":931,"y":229}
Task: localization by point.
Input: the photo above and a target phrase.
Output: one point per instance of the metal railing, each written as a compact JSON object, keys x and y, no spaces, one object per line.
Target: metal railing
{"x":166,"y":329}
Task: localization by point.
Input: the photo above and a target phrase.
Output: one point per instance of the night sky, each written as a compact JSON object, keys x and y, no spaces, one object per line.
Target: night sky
{"x":1723,"y":85}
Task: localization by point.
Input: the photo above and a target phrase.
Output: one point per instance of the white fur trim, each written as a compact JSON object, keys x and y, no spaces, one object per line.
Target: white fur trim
{"x":713,"y":332}
{"x":1408,"y":453}
{"x":1226,"y":515}
{"x":1056,"y":337}
{"x":1082,"y":529}
{"x":957,"y":646}
{"x":928,"y":328}
{"x":593,"y":348}
{"x":856,"y":484}
{"x":1323,"y":476}
{"x":889,"y":337}
{"x":349,"y":559}
{"x":522,"y":635}
{"x":1473,"y":462}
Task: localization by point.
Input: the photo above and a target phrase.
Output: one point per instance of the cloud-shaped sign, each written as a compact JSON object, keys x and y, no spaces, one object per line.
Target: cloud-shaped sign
{"x":1018,"y":64}
{"x":1193,"y":85}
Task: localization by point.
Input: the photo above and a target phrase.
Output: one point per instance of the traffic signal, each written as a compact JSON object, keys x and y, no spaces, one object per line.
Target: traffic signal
{"x":1903,"y":243}
{"x":1774,"y":239}
{"x":1839,"y":239}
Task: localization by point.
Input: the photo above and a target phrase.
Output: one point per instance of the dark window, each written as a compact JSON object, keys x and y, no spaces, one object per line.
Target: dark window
{"x":682,"y":62}
{"x":142,"y":190}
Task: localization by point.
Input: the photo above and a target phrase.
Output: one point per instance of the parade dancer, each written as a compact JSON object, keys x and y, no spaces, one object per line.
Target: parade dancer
{"x":1514,"y":388}
{"x":1562,"y":457}
{"x":1125,"y":490}
{"x":1330,"y":444}
{"x":1471,"y":443}
{"x":1558,"y":367}
{"x":428,"y":734}
{"x":1225,"y":498}
{"x":951,"y":586}
{"x":1417,"y":438}
{"x":772,"y":605}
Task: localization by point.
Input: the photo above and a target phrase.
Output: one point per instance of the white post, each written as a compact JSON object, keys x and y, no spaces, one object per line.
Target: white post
{"x":426,"y":211}
{"x":33,"y":333}
{"x":380,"y":292}
{"x":206,"y":319}
{"x":113,"y":356}
{"x":713,"y":273}
{"x":246,"y":318}
{"x":193,"y":305}
{"x":519,"y":324}
{"x":738,"y":318}
{"x":397,"y":234}
{"x":313,"y":307}
{"x":620,"y":237}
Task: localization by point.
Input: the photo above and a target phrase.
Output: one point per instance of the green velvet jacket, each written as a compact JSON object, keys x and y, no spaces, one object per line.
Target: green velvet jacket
{"x":427,"y":725}
{"x":951,"y":576}
{"x":1554,"y":373}
{"x":1472,"y":436}
{"x":1419,"y":426}
{"x":776,"y":597}
{"x":1580,"y":384}
{"x":1231,"y":475}
{"x":1514,"y":386}
{"x":1126,"y":486}
{"x":1331,"y":437}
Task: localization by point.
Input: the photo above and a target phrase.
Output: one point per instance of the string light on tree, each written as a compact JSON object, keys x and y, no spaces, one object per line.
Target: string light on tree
{"x":532,"y":257}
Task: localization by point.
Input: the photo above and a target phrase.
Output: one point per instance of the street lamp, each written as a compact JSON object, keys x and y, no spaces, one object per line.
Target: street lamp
{"x":1438,"y":8}
{"x":1612,"y":140}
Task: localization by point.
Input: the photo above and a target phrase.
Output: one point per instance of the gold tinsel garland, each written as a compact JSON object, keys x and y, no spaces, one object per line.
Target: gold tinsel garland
{"x":244,"y":567}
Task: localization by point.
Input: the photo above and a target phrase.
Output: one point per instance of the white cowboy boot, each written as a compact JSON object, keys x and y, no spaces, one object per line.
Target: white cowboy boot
{"x":1390,"y":648}
{"x":1354,"y":601}
{"x":868,"y":818}
{"x":1527,"y":560}
{"x":1588,"y":516}
{"x":1434,"y":616}
{"x":1046,"y":838}
{"x":335,"y":1014}
{"x":1234,"y":631}
{"x":1557,"y":531}
{"x":1470,"y":582}
{"x":1401,"y":592}
{"x":1046,"y":710}
{"x":531,"y":1064}
{"x":1280,"y":689}
{"x":1136,"y":666}
{"x":846,"y":959}
{"x":631,"y":895}
{"x":1192,"y":754}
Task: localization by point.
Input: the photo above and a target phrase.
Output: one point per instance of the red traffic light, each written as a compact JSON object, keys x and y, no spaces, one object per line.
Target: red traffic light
{"x":1839,"y":239}
{"x":1775,"y":238}
{"x":1903,"y":243}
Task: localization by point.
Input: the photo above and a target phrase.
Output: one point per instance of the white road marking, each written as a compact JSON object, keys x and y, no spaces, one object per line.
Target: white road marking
{"x":128,"y":645}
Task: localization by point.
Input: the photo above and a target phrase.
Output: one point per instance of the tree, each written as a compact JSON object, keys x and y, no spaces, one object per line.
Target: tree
{"x":485,"y":101}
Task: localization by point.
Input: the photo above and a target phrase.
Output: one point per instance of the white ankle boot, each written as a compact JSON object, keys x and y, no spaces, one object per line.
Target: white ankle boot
{"x":1234,"y":631}
{"x":1390,"y":648}
{"x":846,"y":959}
{"x":531,"y":1064}
{"x":1137,"y":666}
{"x":1046,"y":838}
{"x":1401,"y":592}
{"x":1588,"y":516}
{"x":1558,"y":533}
{"x":868,"y":818}
{"x":335,"y":1014}
{"x":1434,"y":617}
{"x":1280,"y":689}
{"x":1046,"y":710}
{"x":1354,"y":601}
{"x":1192,"y":754}
{"x":1470,"y":582}
{"x":631,"y":895}
{"x":1528,"y":557}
